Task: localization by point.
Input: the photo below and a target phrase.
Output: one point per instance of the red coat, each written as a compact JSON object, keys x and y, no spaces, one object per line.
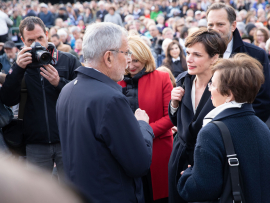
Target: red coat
{"x":154,"y":94}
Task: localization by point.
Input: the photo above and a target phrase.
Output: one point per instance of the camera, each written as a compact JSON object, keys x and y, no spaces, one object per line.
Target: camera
{"x":40,"y":55}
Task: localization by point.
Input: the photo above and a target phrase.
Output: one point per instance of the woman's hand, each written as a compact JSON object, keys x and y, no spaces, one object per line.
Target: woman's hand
{"x":176,"y":96}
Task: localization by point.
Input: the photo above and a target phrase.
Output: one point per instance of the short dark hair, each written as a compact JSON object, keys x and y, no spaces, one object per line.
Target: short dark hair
{"x":28,"y":6}
{"x":230,"y":11}
{"x":55,"y":35}
{"x":29,"y":23}
{"x":241,"y":75}
{"x":211,"y":40}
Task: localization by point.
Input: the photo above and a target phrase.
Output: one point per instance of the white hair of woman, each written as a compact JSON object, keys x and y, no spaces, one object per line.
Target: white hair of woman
{"x":99,"y":38}
{"x":62,"y":32}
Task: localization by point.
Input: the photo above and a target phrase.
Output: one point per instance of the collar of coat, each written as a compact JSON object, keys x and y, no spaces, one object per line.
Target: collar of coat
{"x":237,"y":40}
{"x":90,"y":72}
{"x":246,"y":108}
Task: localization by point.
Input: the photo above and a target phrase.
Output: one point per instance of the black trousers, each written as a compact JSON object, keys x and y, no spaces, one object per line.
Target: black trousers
{"x":4,"y":38}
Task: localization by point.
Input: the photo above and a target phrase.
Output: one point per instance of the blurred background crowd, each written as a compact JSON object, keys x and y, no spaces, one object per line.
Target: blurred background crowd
{"x":158,"y":22}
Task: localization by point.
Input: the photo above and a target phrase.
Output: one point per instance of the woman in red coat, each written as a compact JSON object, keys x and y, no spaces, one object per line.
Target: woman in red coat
{"x":150,"y":90}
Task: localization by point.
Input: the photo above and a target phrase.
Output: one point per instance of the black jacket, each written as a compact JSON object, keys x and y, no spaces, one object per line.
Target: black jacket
{"x":175,"y":67}
{"x":261,"y":105}
{"x":105,"y":149}
{"x":39,"y":115}
{"x":188,"y":126}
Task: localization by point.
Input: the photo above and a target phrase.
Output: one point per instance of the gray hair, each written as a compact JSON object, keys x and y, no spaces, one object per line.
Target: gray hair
{"x":241,"y":27}
{"x":146,"y":40}
{"x":62,"y":32}
{"x":75,"y":28}
{"x":99,"y":38}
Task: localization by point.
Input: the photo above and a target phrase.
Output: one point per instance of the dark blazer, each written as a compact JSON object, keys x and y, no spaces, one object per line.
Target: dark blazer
{"x":251,"y":139}
{"x":188,"y":126}
{"x":105,"y":149}
{"x":261,"y":105}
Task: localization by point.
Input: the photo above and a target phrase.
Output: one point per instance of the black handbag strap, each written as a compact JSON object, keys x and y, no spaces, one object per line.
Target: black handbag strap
{"x":232,"y":160}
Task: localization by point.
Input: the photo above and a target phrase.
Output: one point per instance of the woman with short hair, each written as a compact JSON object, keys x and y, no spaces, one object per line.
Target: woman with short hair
{"x":190,"y":101}
{"x":235,"y":84}
{"x":150,"y":90}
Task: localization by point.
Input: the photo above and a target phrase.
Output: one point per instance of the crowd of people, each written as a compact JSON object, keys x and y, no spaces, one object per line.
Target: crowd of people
{"x":124,"y":108}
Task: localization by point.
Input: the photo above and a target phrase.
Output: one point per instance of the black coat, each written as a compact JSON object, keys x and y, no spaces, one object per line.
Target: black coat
{"x":261,"y":105}
{"x":39,"y":116}
{"x":105,"y":149}
{"x":188,"y":126}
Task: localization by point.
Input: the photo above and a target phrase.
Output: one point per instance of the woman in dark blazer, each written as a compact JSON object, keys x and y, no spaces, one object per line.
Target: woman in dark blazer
{"x":175,"y":58}
{"x":191,"y":102}
{"x":150,"y":90}
{"x":234,"y":86}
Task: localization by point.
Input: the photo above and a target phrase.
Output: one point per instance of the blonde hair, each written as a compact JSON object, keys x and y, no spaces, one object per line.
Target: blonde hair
{"x":141,"y":51}
{"x":167,"y":70}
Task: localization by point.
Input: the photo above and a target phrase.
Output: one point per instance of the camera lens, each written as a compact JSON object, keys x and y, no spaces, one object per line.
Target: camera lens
{"x":43,"y":57}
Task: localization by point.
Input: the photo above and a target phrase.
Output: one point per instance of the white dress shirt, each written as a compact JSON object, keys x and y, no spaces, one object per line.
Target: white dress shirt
{"x":173,"y":59}
{"x":228,"y":51}
{"x":4,"y":21}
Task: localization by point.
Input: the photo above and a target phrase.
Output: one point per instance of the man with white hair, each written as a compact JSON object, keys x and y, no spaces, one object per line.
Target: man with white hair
{"x":63,"y":35}
{"x":106,"y":149}
{"x":102,"y":11}
{"x":76,"y":33}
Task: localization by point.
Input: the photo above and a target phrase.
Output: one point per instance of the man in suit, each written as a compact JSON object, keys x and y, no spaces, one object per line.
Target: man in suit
{"x":106,"y":150}
{"x":222,"y":18}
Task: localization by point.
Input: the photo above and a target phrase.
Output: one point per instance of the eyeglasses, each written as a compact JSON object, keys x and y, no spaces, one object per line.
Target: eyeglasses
{"x":127,"y":53}
{"x":210,"y":85}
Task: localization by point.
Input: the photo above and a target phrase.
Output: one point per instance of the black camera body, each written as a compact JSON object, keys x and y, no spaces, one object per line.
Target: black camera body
{"x":40,"y":56}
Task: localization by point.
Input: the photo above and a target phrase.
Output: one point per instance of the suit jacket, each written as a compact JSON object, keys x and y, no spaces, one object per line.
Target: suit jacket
{"x":261,"y":104}
{"x":251,"y":140}
{"x":188,"y":126}
{"x":154,"y":93}
{"x":105,"y":149}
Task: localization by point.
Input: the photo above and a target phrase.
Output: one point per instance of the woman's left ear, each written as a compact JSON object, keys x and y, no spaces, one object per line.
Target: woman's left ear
{"x":230,"y":97}
{"x":214,"y":59}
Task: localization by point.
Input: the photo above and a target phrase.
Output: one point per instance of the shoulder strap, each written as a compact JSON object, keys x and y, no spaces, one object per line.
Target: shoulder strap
{"x":180,"y":79}
{"x":232,"y":160}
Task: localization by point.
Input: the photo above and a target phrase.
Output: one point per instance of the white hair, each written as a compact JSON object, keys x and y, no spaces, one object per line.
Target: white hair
{"x":129,"y":18}
{"x":241,"y":27}
{"x":101,"y":3}
{"x":62,"y":32}
{"x":75,"y":28}
{"x":99,"y":38}
{"x":165,"y":44}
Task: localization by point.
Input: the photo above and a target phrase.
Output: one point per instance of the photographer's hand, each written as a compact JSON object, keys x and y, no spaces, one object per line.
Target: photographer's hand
{"x":51,"y":74}
{"x":23,"y":59}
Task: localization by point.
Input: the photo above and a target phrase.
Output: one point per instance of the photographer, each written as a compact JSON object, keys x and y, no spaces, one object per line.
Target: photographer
{"x":44,"y":84}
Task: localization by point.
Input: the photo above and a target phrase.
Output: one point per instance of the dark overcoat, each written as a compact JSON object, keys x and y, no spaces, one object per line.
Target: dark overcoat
{"x":251,"y":140}
{"x":188,"y":126}
{"x":105,"y":149}
{"x":261,"y":104}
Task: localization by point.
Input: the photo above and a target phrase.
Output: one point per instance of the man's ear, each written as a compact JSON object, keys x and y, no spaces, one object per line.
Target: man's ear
{"x":234,"y":26}
{"x":108,"y":58}
{"x":22,"y":39}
